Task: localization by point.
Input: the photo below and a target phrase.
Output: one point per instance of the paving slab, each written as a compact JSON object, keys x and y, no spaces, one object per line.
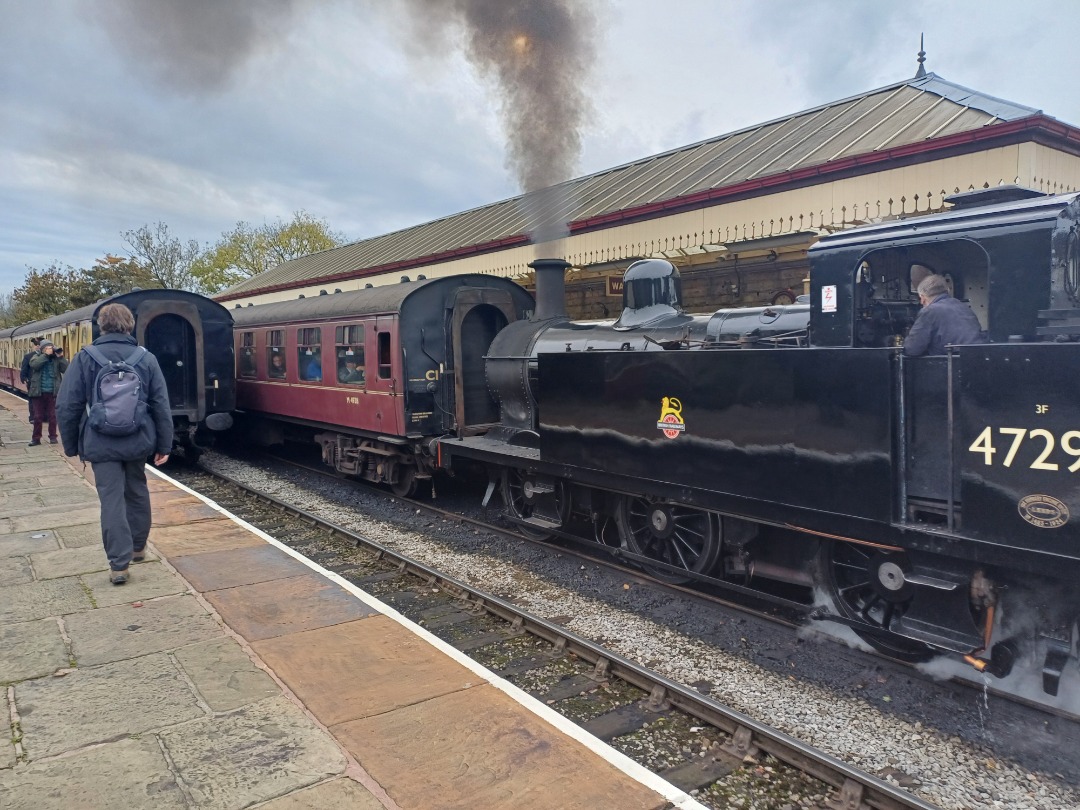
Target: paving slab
{"x":90,"y":705}
{"x":244,"y":566}
{"x":224,"y":675}
{"x":340,"y":794}
{"x":146,"y":581}
{"x":36,"y":600}
{"x":156,"y":484}
{"x":81,"y":535}
{"x":15,"y":571}
{"x":184,"y":511}
{"x":67,"y":496}
{"x":28,"y":542}
{"x":210,"y":535}
{"x":31,"y":650}
{"x":259,"y":752}
{"x":130,"y":630}
{"x":69,"y":562}
{"x":362,"y":668}
{"x":13,"y":462}
{"x":44,"y":482}
{"x":130,"y":773}
{"x":486,"y":751}
{"x":51,"y":518}
{"x":283,"y":606}
{"x":22,"y":543}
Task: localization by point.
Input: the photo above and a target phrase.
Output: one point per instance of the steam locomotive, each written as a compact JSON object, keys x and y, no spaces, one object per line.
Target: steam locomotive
{"x":190,"y":335}
{"x":930,"y":503}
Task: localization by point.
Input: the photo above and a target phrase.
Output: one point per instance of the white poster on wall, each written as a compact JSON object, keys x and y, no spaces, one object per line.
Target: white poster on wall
{"x":828,"y":298}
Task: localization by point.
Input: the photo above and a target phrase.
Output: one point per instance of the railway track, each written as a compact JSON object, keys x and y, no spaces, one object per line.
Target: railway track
{"x":689,"y":738}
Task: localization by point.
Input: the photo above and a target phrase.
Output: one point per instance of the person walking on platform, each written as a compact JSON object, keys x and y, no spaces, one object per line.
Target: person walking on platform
{"x":24,"y":369}
{"x":46,"y":370}
{"x":115,"y":422}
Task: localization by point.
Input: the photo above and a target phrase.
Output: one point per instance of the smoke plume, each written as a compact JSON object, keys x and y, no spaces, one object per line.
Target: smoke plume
{"x":194,"y":45}
{"x":536,"y":53}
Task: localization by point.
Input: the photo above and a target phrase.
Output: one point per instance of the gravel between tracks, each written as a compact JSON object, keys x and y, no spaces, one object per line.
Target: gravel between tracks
{"x":939,"y":767}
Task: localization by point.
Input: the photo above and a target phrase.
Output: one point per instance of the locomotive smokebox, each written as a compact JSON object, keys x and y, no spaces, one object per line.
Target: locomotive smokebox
{"x":550,"y":288}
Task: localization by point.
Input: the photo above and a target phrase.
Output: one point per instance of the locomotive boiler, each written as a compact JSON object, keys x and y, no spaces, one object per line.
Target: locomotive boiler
{"x":929,"y":503}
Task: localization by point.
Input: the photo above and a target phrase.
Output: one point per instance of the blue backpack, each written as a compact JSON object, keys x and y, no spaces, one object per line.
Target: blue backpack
{"x":117,"y":405}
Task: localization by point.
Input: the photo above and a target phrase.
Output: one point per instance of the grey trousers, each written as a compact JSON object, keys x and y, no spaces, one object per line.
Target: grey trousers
{"x":125,"y":508}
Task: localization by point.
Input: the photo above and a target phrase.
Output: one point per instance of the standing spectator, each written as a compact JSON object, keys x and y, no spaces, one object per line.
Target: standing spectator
{"x":46,"y":370}
{"x":24,"y":370}
{"x":118,"y":461}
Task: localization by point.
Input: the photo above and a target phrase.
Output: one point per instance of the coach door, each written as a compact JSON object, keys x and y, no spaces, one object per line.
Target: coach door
{"x":479,"y":315}
{"x":173,"y":333}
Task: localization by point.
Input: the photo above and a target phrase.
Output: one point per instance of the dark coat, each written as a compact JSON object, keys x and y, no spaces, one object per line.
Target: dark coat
{"x":156,"y":433}
{"x":24,"y":369}
{"x":37,"y":364}
{"x":945,"y":321}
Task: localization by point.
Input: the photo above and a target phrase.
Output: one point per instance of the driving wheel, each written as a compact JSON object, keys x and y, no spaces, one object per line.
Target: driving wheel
{"x":682,"y":536}
{"x":868,"y":584}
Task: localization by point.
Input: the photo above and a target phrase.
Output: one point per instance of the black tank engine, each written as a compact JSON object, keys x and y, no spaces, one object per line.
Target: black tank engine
{"x":929,"y":503}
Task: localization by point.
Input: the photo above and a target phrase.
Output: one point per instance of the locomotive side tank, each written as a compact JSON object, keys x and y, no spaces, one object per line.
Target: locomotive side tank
{"x":930,"y":502}
{"x":373,"y":375}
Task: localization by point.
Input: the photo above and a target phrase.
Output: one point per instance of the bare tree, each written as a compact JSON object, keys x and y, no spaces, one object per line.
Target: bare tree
{"x":165,"y":257}
{"x":7,"y":311}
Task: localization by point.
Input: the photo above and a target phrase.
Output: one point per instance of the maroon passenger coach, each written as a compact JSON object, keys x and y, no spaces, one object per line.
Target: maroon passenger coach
{"x":374,"y":376}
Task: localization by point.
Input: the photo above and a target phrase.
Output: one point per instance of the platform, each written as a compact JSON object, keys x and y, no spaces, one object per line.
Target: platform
{"x":229,"y":672}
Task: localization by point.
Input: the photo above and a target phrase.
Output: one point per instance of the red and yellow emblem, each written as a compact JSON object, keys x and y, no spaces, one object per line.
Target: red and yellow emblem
{"x":671,"y":421}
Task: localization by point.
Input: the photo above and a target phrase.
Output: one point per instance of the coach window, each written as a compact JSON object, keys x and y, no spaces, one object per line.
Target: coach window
{"x":247,"y":355}
{"x":384,"y":356}
{"x":309,"y":354}
{"x":349,"y":351}
{"x":275,"y":354}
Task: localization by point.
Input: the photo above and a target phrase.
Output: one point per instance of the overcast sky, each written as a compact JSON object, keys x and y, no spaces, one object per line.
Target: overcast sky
{"x":120,"y":113}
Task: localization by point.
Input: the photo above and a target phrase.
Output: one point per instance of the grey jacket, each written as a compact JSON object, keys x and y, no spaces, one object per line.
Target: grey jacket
{"x":156,"y":433}
{"x":943,"y":322}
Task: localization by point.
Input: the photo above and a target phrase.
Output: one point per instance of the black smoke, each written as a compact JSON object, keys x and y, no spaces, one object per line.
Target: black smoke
{"x":194,"y":46}
{"x":535,"y":53}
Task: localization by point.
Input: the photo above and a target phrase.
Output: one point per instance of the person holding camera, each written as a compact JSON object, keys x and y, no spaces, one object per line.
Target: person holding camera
{"x":47,"y":368}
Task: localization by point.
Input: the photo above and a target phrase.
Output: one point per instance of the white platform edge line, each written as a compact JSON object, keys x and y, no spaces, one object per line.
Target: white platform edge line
{"x":634,"y":770}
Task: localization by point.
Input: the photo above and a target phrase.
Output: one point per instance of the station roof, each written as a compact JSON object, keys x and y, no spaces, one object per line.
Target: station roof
{"x":766,"y":155}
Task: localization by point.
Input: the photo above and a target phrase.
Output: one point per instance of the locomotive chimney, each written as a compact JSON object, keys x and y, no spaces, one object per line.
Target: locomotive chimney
{"x":550,"y":288}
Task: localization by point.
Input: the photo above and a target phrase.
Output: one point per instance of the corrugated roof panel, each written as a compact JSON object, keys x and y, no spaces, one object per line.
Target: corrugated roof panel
{"x":903,"y":113}
{"x":833,"y":135}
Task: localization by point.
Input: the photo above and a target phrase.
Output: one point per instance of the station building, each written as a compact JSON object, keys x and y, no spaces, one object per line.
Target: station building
{"x":736,"y":213}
